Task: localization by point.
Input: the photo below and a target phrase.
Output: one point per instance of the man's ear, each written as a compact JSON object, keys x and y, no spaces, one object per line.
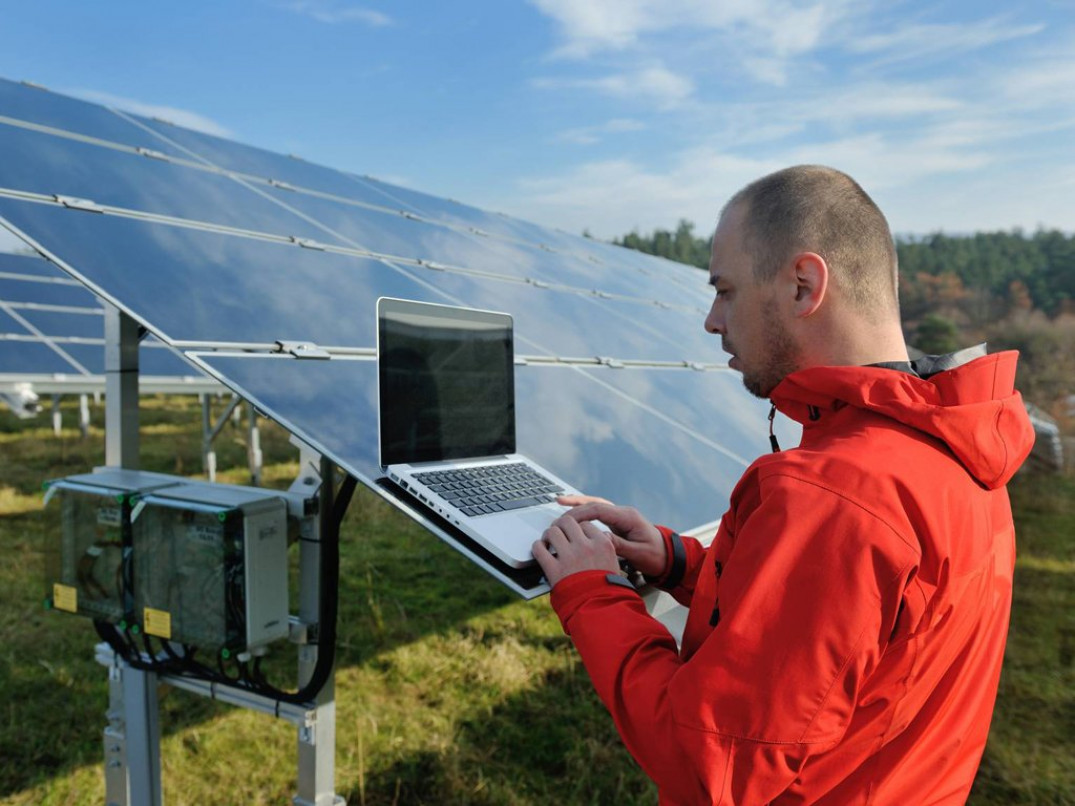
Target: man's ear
{"x":811,"y":282}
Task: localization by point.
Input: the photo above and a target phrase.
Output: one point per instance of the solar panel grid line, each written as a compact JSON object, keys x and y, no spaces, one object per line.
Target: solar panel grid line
{"x":44,"y":306}
{"x":141,"y":150}
{"x":627,"y":321}
{"x":52,"y":131}
{"x":434,"y":288}
{"x":207,"y":165}
{"x":401,"y":210}
{"x":44,"y":339}
{"x":424,"y":262}
{"x":30,"y":337}
{"x":36,"y":278}
{"x":354,"y":249}
{"x":408,"y":209}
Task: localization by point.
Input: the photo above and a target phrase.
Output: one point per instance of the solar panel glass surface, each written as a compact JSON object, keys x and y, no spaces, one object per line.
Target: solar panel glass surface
{"x":669,"y":441}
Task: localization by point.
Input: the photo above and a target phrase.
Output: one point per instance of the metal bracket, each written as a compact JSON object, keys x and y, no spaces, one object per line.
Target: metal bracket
{"x":152,"y":154}
{"x":614,"y":363}
{"x":537,"y":283}
{"x":302,"y":349}
{"x":410,"y":215}
{"x":308,"y":243}
{"x":75,"y":203}
{"x":477,"y":231}
{"x":432,"y":264}
{"x":279,"y":183}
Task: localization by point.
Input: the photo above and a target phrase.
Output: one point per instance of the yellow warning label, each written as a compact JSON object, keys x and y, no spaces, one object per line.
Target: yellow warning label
{"x":157,"y":622}
{"x":64,"y":597}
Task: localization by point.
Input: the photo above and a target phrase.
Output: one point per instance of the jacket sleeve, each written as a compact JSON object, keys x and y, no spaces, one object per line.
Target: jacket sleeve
{"x":683,"y":561}
{"x":807,"y":597}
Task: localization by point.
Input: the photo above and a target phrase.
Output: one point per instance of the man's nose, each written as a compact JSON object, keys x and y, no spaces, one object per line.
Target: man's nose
{"x":714,"y":322}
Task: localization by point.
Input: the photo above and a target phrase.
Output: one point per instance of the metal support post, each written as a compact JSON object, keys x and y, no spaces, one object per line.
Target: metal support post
{"x":253,"y":446}
{"x":208,"y":454}
{"x":317,"y":738}
{"x":121,"y":389}
{"x":84,"y":415}
{"x":211,"y":431}
{"x":57,"y":417}
{"x":132,"y":737}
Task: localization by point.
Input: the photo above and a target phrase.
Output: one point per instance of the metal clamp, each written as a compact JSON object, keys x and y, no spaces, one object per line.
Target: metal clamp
{"x":75,"y":203}
{"x":302,"y":349}
{"x":308,"y":243}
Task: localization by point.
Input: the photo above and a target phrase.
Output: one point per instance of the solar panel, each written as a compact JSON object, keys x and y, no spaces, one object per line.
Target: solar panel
{"x":51,"y":324}
{"x":230,"y":253}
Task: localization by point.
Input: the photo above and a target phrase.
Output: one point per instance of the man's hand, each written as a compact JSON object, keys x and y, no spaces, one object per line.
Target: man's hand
{"x":632,"y":536}
{"x":569,"y":546}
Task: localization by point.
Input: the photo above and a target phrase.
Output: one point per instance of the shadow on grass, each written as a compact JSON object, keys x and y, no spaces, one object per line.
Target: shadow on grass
{"x":556,"y":744}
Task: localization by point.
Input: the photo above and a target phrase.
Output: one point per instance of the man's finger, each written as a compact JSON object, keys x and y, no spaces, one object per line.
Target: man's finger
{"x":579,"y":500}
{"x":570,"y":527}
{"x":554,"y":538}
{"x":591,"y":510}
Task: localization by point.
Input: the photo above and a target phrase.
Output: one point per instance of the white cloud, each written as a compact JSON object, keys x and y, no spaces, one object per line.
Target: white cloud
{"x":590,"y":26}
{"x":334,"y":13}
{"x":654,"y":83}
{"x":915,"y":41}
{"x":590,"y":135}
{"x":615,"y":196}
{"x":180,"y":117}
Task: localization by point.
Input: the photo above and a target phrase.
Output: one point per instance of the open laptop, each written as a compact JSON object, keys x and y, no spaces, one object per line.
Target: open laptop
{"x":446,"y":422}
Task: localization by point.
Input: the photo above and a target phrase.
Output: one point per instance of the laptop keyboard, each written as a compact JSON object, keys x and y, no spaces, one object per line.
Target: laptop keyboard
{"x":495,"y":488}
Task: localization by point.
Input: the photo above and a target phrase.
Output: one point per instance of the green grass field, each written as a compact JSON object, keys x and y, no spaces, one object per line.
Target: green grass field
{"x":450,"y":690}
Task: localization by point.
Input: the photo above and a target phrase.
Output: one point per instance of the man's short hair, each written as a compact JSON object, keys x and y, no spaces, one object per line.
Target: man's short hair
{"x":812,"y":208}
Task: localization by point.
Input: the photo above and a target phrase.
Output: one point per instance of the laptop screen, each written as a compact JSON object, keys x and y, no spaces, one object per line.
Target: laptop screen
{"x":446,"y":382}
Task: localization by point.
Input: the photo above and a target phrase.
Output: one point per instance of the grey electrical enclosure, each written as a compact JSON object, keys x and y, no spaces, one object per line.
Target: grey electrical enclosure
{"x":210,"y":565}
{"x":87,"y":562}
{"x":190,"y":562}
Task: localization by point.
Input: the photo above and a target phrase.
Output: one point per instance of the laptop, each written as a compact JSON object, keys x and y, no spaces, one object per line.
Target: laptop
{"x":446,"y":423}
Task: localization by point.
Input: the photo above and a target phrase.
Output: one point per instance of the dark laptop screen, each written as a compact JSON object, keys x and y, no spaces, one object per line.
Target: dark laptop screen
{"x":446,"y":382}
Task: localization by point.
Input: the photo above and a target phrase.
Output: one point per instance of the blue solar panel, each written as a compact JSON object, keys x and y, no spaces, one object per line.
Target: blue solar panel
{"x":671,"y":441}
{"x":38,"y":106}
{"x":19,"y":357}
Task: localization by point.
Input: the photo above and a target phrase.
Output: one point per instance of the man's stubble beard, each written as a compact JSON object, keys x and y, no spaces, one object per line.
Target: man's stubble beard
{"x":781,"y":355}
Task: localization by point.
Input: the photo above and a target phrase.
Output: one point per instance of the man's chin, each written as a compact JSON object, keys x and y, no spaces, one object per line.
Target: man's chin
{"x":759,"y":387}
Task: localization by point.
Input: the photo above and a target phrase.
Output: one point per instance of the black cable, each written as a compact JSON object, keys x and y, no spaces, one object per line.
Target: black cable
{"x":329,"y":605}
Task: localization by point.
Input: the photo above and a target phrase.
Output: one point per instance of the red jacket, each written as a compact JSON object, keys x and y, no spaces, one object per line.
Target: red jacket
{"x":847,"y":624}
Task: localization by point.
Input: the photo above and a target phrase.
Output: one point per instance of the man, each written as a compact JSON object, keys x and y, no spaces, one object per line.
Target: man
{"x":847,"y":624}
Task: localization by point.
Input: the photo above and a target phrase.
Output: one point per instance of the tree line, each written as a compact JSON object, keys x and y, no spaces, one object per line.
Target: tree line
{"x":1011,"y":289}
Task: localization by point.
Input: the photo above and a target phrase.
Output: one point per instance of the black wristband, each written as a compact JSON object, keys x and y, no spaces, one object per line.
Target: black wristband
{"x":679,"y":564}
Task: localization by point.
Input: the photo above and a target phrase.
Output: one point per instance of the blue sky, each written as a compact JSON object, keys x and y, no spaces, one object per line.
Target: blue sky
{"x":605,"y":115}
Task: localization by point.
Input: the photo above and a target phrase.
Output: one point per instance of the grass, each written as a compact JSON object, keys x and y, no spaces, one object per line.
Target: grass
{"x":450,"y":690}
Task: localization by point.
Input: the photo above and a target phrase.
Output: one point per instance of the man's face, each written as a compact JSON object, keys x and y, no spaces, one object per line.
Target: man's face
{"x":746,"y":313}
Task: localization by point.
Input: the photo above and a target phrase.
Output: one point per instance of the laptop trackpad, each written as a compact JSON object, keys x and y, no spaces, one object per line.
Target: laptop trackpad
{"x":538,"y":519}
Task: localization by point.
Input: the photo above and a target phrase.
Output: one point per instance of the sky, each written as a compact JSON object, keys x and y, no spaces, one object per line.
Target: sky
{"x":605,"y":115}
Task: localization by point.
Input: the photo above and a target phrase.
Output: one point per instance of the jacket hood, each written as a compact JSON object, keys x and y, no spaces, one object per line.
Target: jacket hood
{"x":973,"y":408}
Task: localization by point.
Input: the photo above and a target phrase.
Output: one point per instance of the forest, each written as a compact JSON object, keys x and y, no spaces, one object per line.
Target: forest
{"x":1010,"y":289}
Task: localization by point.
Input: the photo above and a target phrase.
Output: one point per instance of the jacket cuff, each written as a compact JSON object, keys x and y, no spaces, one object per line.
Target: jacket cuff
{"x":571,"y":591}
{"x":675,"y":562}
